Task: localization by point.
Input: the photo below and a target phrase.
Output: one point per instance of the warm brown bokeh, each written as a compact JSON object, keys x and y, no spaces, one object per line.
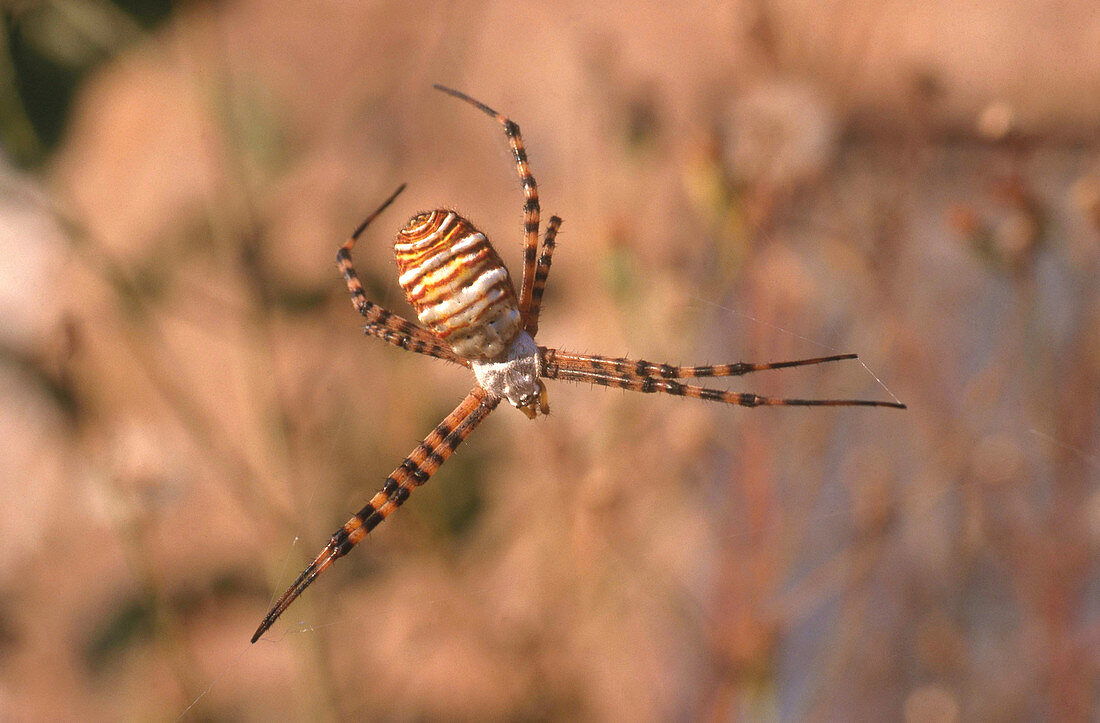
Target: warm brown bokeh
{"x":190,"y":410}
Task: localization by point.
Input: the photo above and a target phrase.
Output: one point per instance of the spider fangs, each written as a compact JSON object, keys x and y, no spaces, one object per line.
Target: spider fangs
{"x":462,"y":293}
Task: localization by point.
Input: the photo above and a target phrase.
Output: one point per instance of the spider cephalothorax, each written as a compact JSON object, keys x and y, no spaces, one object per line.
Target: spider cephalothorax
{"x":463,"y":294}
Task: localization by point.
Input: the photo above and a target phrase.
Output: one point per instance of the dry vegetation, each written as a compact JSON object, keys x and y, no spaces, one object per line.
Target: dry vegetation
{"x":189,"y":409}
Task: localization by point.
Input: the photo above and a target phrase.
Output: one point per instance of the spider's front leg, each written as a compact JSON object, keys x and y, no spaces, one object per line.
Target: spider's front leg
{"x":639,"y":368}
{"x":639,"y":375}
{"x":384,"y":324}
{"x":417,"y":469}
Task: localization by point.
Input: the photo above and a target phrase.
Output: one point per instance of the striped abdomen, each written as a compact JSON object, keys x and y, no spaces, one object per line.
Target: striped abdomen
{"x":457,"y":283}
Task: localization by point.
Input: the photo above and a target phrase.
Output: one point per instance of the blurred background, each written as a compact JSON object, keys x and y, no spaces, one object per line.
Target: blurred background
{"x":190,"y":409}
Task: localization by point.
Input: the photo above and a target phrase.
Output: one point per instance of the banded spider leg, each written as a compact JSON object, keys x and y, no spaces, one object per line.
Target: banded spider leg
{"x":417,"y":469}
{"x":531,"y":210}
{"x":542,"y":271}
{"x":638,"y":375}
{"x":536,"y":266}
{"x":382,"y":323}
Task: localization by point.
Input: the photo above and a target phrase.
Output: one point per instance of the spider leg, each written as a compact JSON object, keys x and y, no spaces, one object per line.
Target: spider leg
{"x":384,"y":324}
{"x":417,"y":468}
{"x":551,"y":369}
{"x":541,"y":272}
{"x":639,"y":368}
{"x":530,"y":195}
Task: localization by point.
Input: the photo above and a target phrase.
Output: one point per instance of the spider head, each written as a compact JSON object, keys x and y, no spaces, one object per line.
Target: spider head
{"x":515,"y":376}
{"x":533,"y":404}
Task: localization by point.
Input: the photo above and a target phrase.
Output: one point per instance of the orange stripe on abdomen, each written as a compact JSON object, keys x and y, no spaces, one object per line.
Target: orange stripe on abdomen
{"x":457,"y":283}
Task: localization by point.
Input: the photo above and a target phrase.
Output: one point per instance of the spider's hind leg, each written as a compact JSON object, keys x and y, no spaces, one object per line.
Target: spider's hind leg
{"x":382,"y":323}
{"x":542,"y":271}
{"x":531,"y":210}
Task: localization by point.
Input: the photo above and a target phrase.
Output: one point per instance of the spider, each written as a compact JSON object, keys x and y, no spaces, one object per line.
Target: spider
{"x":462,"y":292}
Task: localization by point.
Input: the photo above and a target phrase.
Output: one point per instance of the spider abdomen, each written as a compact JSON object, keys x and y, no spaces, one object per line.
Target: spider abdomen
{"x":458,"y":285}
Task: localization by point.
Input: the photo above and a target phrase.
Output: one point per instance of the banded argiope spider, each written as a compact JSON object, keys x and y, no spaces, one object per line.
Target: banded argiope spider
{"x":461,"y":291}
